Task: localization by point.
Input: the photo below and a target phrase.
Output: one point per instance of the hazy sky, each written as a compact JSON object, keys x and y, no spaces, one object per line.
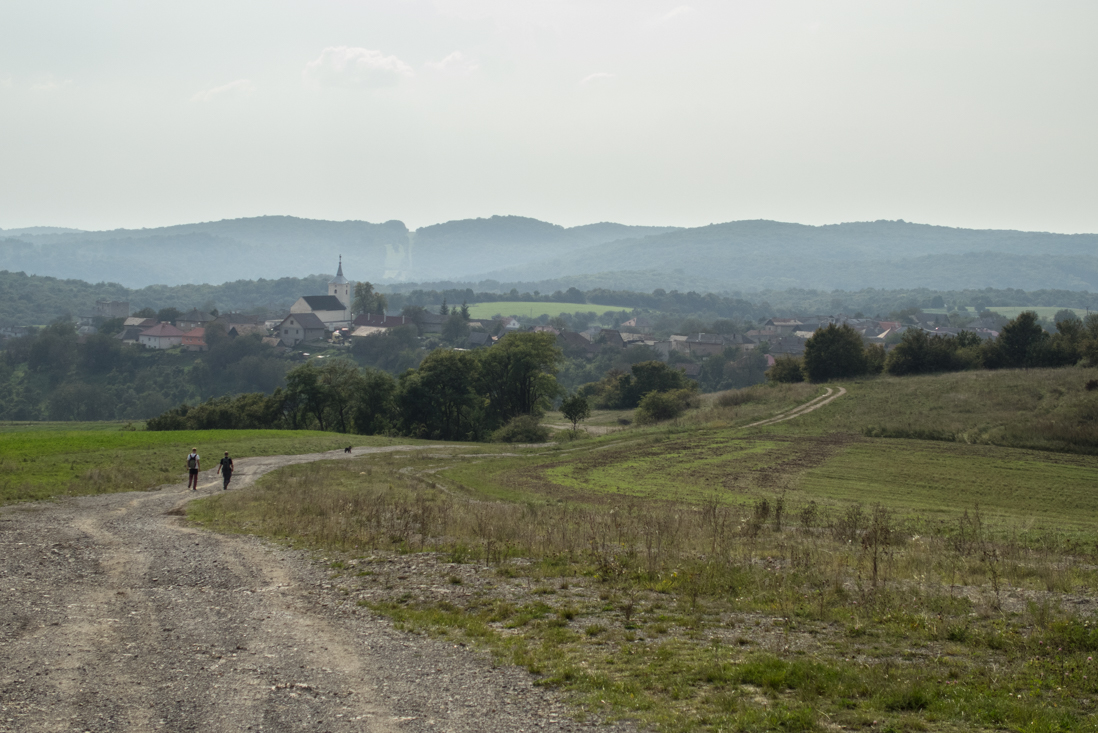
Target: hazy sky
{"x":957,"y":112}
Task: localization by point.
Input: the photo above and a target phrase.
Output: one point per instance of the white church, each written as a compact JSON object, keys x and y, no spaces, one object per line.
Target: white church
{"x":333,"y":309}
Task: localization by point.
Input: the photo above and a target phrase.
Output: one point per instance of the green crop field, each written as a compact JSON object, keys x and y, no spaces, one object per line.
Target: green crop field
{"x":535,"y":310}
{"x":39,"y":461}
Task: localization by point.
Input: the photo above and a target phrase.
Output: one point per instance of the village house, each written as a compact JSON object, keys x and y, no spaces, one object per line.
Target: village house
{"x":195,"y":340}
{"x":138,"y":322}
{"x":575,"y":344}
{"x":161,"y":336}
{"x":194,"y":319}
{"x":371,"y":324}
{"x":297,"y":328}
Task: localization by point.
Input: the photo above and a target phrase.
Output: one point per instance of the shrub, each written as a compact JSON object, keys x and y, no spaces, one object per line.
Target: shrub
{"x":522,"y":429}
{"x":786,"y":369}
{"x":657,"y":406}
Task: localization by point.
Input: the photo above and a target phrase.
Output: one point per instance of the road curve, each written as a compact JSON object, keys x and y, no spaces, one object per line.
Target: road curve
{"x":116,"y":616}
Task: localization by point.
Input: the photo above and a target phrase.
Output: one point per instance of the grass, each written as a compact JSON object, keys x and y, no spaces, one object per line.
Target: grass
{"x":40,"y":461}
{"x":705,"y":617}
{"x":920,"y":554}
{"x":1012,"y":311}
{"x":535,"y":310}
{"x":702,"y":575}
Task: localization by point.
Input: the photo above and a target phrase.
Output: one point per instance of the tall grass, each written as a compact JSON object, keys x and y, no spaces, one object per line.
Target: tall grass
{"x":869,"y":581}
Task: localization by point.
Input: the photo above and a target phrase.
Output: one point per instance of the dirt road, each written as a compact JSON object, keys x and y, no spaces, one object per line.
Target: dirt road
{"x":114,"y":616}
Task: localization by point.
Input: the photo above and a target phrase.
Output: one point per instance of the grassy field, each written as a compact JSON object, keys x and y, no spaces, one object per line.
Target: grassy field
{"x":43,"y":460}
{"x":814,"y":574}
{"x":534,"y":310}
{"x":1012,"y":311}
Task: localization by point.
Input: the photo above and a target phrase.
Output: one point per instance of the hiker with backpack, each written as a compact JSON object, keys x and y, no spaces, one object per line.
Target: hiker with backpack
{"x":193,"y":466}
{"x":225,"y":468}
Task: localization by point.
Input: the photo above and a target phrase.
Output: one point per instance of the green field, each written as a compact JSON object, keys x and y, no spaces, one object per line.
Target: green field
{"x":1012,"y":311}
{"x":535,"y":310}
{"x":43,"y":460}
{"x":835,"y":571}
{"x":920,"y":554}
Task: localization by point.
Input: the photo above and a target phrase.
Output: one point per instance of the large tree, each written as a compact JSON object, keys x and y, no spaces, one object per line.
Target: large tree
{"x":517,"y":374}
{"x":834,"y":352}
{"x":367,"y":300}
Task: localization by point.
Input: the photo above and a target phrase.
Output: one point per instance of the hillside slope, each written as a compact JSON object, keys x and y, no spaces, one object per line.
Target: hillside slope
{"x":884,"y":254}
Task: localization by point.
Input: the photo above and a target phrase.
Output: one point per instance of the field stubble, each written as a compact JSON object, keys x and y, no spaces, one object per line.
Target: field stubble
{"x":772,"y":609}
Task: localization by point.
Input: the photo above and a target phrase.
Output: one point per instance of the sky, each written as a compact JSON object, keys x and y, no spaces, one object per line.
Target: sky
{"x":128,"y":114}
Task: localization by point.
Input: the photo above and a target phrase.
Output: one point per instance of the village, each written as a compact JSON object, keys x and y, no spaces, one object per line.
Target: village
{"x":319,"y":322}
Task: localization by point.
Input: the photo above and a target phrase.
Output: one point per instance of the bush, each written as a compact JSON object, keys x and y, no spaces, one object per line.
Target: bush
{"x":737,"y":397}
{"x":786,"y":370}
{"x":835,"y":352}
{"x":522,"y":429}
{"x":657,"y":406}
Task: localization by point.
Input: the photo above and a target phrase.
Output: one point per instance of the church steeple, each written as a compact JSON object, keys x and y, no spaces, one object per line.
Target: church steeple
{"x":339,"y":279}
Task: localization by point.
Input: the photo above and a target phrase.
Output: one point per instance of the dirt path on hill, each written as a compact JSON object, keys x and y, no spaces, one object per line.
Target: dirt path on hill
{"x":829,"y":396}
{"x":115,"y":616}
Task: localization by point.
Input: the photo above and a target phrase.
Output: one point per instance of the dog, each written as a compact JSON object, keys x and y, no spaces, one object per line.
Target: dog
{"x":347,"y":449}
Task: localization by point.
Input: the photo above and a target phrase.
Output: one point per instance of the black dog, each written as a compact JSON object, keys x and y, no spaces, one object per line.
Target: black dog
{"x":347,"y":449}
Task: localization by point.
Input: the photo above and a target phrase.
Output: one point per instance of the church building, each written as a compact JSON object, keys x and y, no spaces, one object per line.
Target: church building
{"x":333,"y":309}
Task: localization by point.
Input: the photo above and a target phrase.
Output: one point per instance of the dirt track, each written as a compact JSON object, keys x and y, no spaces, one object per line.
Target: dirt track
{"x":114,"y":616}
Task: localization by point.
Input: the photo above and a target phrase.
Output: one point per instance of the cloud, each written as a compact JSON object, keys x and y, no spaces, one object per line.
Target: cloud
{"x":50,"y":84}
{"x":355,"y":67}
{"x":6,"y":82}
{"x":598,"y":76}
{"x":240,"y":86}
{"x":675,"y":13}
{"x":455,"y":64}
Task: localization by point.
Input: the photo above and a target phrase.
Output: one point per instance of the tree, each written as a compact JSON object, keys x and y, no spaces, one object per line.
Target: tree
{"x":786,"y":370}
{"x":835,"y":352}
{"x":464,"y":310}
{"x":168,"y":315}
{"x":575,"y":409}
{"x":145,"y":313}
{"x":367,"y":300}
{"x":517,"y":374}
{"x":439,"y":399}
{"x":444,"y":310}
{"x":340,"y":379}
{"x":1020,"y":341}
{"x":303,"y":387}
{"x":455,"y":330}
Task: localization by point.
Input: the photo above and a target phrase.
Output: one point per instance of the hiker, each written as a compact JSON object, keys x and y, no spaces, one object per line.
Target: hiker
{"x":193,"y":464}
{"x":225,"y":468}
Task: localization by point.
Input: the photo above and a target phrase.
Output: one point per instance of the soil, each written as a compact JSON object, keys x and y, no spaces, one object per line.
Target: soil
{"x":117,"y":616}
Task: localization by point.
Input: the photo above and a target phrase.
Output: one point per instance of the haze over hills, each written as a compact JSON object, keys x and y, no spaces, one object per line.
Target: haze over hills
{"x":741,"y":255}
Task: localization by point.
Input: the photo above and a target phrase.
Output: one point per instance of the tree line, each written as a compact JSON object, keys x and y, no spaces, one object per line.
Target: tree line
{"x":838,"y":351}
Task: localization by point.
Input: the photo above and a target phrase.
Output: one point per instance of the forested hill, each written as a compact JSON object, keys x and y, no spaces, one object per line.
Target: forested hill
{"x":34,"y":300}
{"x":275,"y":246}
{"x":742,"y":255}
{"x":213,"y":252}
{"x":883,"y":254}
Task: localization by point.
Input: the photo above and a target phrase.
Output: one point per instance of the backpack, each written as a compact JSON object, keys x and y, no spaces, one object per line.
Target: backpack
{"x":192,"y":461}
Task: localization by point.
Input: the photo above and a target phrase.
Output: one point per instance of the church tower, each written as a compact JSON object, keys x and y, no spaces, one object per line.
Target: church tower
{"x":341,"y":287}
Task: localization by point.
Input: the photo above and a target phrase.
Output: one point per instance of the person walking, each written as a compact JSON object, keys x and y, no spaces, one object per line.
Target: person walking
{"x":194,"y":463}
{"x":225,"y":468}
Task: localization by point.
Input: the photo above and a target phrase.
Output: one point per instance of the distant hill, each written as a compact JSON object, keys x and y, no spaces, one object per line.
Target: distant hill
{"x":741,"y":255}
{"x":277,"y":246}
{"x":884,"y":254}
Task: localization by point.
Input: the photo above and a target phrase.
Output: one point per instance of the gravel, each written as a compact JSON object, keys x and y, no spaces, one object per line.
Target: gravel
{"x":116,"y":616}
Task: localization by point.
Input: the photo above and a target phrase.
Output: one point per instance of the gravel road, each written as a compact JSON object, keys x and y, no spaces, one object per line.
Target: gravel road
{"x":115,"y":616}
